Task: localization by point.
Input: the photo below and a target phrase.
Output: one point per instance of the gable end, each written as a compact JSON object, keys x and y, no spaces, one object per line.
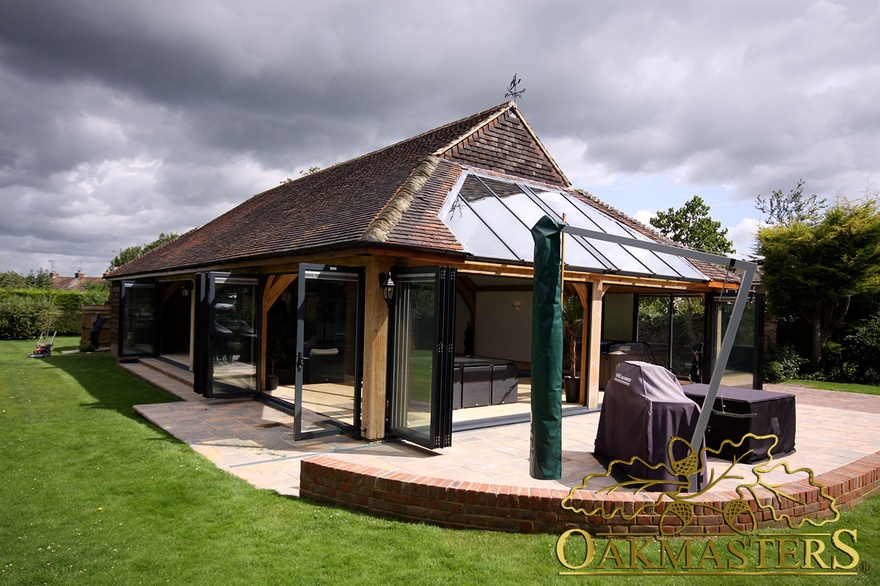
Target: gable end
{"x":506,"y":145}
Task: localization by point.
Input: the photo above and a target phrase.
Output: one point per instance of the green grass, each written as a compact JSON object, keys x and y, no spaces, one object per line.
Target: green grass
{"x":93,"y":494}
{"x":831,"y":386}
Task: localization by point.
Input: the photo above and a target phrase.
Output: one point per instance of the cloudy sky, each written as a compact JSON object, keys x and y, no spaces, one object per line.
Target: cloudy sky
{"x":123,"y":119}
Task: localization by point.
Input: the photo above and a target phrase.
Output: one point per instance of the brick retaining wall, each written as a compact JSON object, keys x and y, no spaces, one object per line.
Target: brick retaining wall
{"x":472,"y":505}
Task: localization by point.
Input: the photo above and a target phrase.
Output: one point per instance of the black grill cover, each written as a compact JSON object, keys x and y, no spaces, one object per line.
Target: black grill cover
{"x":644,"y":407}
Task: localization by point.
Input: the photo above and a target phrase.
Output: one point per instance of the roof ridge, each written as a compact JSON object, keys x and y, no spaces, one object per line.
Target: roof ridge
{"x":496,"y":112}
{"x":487,"y":115}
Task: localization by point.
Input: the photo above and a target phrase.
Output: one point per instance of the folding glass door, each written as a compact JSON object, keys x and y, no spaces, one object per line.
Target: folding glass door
{"x":672,"y":329}
{"x":744,"y":365}
{"x":422,"y":356}
{"x":226,"y":353}
{"x":329,"y":337}
{"x":137,"y":311}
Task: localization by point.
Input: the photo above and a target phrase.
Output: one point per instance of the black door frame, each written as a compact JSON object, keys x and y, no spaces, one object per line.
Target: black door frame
{"x":124,"y":287}
{"x":328,"y":272}
{"x":440,"y":424}
{"x":203,"y":347}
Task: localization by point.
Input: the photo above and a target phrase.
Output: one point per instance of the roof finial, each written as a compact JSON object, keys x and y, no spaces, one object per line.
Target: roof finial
{"x":512,"y":90}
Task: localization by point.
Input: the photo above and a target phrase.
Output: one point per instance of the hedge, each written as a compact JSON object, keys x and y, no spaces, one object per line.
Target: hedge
{"x":24,"y":313}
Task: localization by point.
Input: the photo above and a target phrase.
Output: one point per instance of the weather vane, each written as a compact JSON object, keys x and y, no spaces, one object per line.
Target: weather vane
{"x":512,"y":90}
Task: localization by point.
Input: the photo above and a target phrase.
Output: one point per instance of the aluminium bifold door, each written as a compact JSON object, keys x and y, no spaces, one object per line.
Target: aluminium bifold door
{"x":422,"y":354}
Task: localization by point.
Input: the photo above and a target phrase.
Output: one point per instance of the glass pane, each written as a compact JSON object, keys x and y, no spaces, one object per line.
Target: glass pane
{"x":330,"y":360}
{"x":653,"y":330}
{"x":234,"y":335}
{"x":474,"y":234}
{"x":740,"y":366}
{"x":139,"y":315}
{"x":627,"y":258}
{"x":415,"y":338}
{"x":653,"y":264}
{"x":281,"y":345}
{"x":581,"y":254}
{"x":492,"y":218}
{"x":579,"y":214}
{"x":503,"y":223}
{"x":688,"y":320}
{"x":682,"y":266}
{"x":658,"y":343}
{"x":519,"y":203}
{"x":529,"y":212}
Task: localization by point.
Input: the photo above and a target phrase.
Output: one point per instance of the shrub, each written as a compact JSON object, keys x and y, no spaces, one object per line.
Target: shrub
{"x":26,"y":316}
{"x":862,"y":343}
{"x":24,"y":313}
{"x":781,"y":363}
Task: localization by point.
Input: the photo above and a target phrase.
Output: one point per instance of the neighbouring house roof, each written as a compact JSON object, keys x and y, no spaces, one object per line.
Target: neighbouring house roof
{"x":74,"y":283}
{"x":389,"y":197}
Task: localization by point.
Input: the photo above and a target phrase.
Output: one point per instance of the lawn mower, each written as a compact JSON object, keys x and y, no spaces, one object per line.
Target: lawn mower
{"x":44,"y":344}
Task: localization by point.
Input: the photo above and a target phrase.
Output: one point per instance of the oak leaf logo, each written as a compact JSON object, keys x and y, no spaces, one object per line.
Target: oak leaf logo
{"x":763,"y":490}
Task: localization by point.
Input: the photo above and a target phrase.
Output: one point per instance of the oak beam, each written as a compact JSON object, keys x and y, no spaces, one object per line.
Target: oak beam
{"x":581,"y":290}
{"x":597,"y":291}
{"x":375,"y":351}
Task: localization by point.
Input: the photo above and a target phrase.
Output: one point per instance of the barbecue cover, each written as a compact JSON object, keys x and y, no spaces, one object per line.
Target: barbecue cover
{"x":644,"y":407}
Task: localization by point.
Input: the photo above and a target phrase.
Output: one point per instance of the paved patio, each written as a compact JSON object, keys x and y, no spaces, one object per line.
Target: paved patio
{"x":254,"y":441}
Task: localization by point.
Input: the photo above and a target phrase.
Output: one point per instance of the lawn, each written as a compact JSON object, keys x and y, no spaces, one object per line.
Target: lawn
{"x":94,"y":494}
{"x":830,"y":386}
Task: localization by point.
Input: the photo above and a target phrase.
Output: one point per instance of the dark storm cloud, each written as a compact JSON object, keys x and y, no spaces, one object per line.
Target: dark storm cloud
{"x":124,"y":119}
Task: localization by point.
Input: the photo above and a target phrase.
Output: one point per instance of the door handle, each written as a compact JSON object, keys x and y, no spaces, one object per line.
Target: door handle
{"x":299,"y":361}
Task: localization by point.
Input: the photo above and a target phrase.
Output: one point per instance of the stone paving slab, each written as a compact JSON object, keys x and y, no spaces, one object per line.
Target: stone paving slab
{"x":255,"y":442}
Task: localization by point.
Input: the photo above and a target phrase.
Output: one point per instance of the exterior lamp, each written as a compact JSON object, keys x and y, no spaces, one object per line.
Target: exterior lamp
{"x":387,"y":285}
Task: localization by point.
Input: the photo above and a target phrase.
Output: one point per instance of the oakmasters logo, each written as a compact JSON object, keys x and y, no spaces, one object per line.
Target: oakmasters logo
{"x":655,"y":527}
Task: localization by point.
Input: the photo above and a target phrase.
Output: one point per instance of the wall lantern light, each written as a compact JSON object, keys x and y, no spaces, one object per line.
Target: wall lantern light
{"x":387,"y":285}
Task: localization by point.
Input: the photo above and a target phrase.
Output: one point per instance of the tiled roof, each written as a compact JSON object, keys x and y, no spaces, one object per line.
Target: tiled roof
{"x":332,"y":207}
{"x":391,"y":196}
{"x":77,"y":283}
{"x":420,"y":225}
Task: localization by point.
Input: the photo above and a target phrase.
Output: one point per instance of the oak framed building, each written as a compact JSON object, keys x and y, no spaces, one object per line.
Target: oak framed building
{"x":391,"y":294}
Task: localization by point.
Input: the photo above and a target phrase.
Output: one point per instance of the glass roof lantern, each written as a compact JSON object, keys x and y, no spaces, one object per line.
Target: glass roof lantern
{"x":493,"y":218}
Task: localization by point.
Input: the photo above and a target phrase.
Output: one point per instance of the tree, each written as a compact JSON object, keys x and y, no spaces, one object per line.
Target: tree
{"x":813,"y":268}
{"x":41,"y":280}
{"x":12,"y":280}
{"x":692,"y":226}
{"x":132,"y":252}
{"x":784,"y":210}
{"x":96,"y":293}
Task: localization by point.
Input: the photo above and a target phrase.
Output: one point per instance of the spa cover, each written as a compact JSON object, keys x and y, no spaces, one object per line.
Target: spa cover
{"x":644,"y":407}
{"x":738,"y":412}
